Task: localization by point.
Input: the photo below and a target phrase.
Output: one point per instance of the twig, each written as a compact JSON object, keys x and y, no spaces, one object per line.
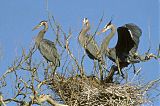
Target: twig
{"x":72,"y":56}
{"x":150,"y":84}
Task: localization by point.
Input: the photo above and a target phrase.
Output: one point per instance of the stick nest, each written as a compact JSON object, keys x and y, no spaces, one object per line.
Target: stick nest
{"x":88,"y":91}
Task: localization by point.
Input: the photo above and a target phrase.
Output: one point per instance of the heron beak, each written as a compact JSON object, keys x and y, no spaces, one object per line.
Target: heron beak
{"x":36,"y":27}
{"x":102,"y":31}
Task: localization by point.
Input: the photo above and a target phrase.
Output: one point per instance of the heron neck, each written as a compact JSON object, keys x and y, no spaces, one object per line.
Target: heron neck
{"x":83,"y":34}
{"x":104,"y":46}
{"x":110,"y":36}
{"x":40,"y":36}
{"x":45,"y":26}
{"x":85,"y":29}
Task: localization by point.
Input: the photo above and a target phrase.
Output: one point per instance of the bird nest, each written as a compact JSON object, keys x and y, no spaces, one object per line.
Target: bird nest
{"x":87,"y":91}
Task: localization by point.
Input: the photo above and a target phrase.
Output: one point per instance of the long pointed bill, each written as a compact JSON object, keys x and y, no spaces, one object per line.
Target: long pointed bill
{"x":36,"y":27}
{"x":102,"y":31}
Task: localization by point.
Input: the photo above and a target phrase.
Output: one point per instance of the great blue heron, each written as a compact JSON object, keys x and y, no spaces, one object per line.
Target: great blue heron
{"x":89,"y":44}
{"x":46,"y":47}
{"x":124,"y":51}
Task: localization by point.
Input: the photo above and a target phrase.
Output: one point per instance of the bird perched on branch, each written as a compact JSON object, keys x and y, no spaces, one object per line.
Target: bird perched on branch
{"x":128,"y":40}
{"x":46,"y":47}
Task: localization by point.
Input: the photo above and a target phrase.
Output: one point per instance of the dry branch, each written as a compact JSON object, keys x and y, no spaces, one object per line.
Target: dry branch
{"x":76,"y":90}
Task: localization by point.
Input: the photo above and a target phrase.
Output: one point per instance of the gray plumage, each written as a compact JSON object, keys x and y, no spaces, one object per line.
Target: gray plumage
{"x":88,"y":43}
{"x":46,"y":47}
{"x":50,"y":54}
{"x":128,"y":38}
{"x":127,"y":44}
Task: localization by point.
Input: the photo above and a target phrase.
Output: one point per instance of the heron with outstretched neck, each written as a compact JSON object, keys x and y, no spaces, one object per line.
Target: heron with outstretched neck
{"x":89,"y":44}
{"x":125,"y":50}
{"x":46,"y":47}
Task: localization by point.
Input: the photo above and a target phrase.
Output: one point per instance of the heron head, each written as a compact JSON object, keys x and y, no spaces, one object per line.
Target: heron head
{"x":85,"y":21}
{"x":42,"y":23}
{"x":106,"y":27}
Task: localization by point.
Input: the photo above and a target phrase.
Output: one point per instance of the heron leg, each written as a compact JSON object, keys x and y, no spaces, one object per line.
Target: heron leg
{"x":100,"y":71}
{"x":119,"y":69}
{"x":94,"y":72}
{"x":53,"y":68}
{"x":46,"y":72}
{"x":109,"y":78}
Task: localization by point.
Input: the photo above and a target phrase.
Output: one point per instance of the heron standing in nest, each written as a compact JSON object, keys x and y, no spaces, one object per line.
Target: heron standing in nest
{"x":125,"y":50}
{"x":90,"y":45}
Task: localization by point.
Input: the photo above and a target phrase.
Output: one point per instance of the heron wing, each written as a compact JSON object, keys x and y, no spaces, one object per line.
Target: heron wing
{"x":128,"y":39}
{"x":135,"y":33}
{"x":92,"y":48}
{"x":49,"y":51}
